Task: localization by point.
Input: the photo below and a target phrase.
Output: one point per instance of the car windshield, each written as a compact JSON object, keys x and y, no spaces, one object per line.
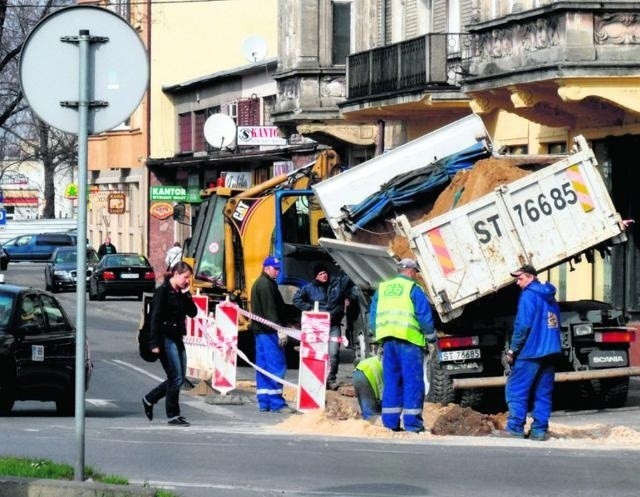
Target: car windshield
{"x":70,"y":256}
{"x":124,"y":260}
{"x":6,"y":304}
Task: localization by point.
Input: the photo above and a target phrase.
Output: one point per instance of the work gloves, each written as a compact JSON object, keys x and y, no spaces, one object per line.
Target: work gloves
{"x":282,"y":339}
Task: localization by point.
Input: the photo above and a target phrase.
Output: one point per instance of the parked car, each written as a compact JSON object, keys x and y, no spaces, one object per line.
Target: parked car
{"x":60,"y":273}
{"x":36,"y":247}
{"x":4,"y":259}
{"x":37,"y":350}
{"x":121,"y":275}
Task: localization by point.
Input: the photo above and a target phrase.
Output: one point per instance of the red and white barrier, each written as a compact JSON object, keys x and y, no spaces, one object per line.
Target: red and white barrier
{"x":197,"y":342}
{"x":314,"y":356}
{"x":225,"y":347}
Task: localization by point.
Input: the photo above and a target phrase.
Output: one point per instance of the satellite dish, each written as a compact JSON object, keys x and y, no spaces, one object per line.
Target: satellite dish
{"x":254,"y":48}
{"x":220,"y":130}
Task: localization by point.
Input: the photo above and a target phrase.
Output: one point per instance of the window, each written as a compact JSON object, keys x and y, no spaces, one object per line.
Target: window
{"x":198,"y":130}
{"x":31,"y":313}
{"x":249,"y":112}
{"x":557,"y":148}
{"x":341,"y":35}
{"x":54,"y":314}
{"x":295,"y":220}
{"x":185,"y":132}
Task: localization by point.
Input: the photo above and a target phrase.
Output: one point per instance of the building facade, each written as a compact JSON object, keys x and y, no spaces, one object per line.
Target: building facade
{"x":537,"y":72}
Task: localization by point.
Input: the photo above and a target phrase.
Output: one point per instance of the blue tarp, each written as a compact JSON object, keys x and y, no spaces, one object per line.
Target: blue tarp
{"x":405,"y":188}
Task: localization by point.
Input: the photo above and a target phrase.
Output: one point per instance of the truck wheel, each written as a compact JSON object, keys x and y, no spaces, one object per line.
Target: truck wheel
{"x":614,"y":391}
{"x":471,"y":397}
{"x":440,"y":385}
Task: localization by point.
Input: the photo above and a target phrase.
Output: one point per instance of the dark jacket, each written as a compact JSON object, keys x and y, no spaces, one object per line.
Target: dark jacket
{"x":267,"y":302}
{"x":106,"y":248}
{"x":330,"y":296}
{"x":536,"y":330}
{"x":168,"y":313}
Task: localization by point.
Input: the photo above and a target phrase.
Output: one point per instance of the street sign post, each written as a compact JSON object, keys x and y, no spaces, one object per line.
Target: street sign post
{"x":95,"y":72}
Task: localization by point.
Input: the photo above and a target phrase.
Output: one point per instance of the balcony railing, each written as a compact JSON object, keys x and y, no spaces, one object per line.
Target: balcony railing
{"x":429,"y":61}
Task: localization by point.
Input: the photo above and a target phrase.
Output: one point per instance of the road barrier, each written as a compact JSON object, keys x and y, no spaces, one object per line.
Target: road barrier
{"x":212,"y":350}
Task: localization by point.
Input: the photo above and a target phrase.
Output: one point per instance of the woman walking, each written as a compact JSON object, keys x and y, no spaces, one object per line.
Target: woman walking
{"x":171,"y":304}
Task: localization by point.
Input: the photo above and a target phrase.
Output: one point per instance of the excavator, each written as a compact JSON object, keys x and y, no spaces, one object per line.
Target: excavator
{"x":236,"y":229}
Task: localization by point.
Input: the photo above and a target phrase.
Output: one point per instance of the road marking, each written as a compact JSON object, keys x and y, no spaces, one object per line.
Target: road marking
{"x":137,"y":369}
{"x":102,"y":402}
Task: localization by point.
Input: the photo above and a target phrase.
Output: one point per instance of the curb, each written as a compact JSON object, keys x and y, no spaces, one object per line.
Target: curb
{"x":37,"y":487}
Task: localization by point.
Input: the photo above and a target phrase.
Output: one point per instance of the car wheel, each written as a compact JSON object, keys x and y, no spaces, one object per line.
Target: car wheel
{"x":92,"y":296}
{"x":100,"y":294}
{"x":66,"y":405}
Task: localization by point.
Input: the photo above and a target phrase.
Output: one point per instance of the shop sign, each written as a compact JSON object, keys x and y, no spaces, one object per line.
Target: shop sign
{"x":161,"y":210}
{"x":71,"y":191}
{"x":259,"y":135}
{"x":116,"y":203}
{"x":165,"y":192}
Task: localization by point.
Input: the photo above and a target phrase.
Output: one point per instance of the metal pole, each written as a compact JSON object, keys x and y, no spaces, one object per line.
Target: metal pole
{"x":81,"y":260}
{"x":561,"y":377}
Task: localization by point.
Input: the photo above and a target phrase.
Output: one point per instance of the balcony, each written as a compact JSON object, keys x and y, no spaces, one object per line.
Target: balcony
{"x":427,"y":63}
{"x":568,"y":63}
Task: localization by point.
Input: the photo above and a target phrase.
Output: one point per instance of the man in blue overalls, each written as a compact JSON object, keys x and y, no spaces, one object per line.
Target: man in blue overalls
{"x":401,"y":317}
{"x":535,"y":342}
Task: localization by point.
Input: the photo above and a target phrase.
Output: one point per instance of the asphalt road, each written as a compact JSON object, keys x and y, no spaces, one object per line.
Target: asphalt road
{"x":234,"y":451}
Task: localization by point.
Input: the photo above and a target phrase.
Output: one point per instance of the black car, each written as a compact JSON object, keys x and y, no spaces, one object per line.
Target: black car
{"x":60,"y":272}
{"x":37,"y":350}
{"x":121,"y":275}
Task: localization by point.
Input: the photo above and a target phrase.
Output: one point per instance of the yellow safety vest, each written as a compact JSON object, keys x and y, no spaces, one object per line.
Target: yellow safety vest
{"x":371,"y":367}
{"x":395,"y":314}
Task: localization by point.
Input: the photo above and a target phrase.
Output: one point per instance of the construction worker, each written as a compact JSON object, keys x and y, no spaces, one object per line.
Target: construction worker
{"x":534,"y":348}
{"x":267,"y":302}
{"x":401,"y":316}
{"x":367,"y":382}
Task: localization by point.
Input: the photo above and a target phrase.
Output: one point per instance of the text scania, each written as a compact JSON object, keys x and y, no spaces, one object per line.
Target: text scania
{"x":531,"y":210}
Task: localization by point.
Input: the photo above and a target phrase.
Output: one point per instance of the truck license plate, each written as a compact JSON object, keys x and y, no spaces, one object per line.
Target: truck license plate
{"x":129,"y":276}
{"x":459,"y":355}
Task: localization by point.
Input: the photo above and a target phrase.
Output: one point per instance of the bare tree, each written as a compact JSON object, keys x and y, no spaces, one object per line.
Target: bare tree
{"x":22,"y":135}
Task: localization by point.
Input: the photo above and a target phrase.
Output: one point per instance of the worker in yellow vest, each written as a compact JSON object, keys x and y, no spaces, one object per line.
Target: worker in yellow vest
{"x":367,"y":382}
{"x":401,"y":316}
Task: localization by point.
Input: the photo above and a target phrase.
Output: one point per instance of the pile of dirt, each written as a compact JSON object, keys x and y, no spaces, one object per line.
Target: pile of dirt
{"x":484,"y":177}
{"x":341,"y":417}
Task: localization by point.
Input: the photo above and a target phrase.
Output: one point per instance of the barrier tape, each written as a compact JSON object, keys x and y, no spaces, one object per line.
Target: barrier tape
{"x":255,"y":366}
{"x":292,"y":332}
{"x":308,"y":353}
{"x":215,"y":341}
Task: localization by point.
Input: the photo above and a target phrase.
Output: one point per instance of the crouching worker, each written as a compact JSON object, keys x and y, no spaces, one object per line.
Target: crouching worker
{"x":367,"y":382}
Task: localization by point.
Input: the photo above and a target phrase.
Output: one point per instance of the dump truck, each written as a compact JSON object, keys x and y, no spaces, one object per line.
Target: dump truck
{"x":556,"y":212}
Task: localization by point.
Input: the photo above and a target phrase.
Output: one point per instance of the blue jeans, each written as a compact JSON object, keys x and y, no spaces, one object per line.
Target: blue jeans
{"x":369,"y":404}
{"x":530,"y":383}
{"x":334,"y":352}
{"x":173,"y":358}
{"x":270,"y":357}
{"x":403,"y":392}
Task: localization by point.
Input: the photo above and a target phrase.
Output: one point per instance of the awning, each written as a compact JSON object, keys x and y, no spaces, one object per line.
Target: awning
{"x":22,"y":198}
